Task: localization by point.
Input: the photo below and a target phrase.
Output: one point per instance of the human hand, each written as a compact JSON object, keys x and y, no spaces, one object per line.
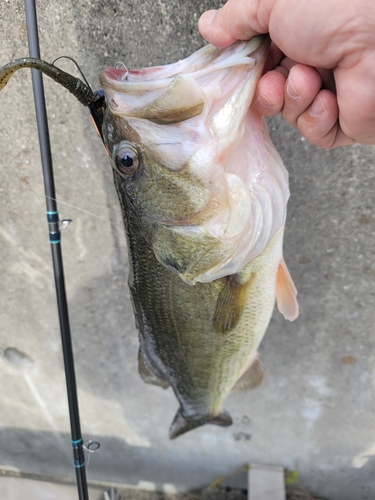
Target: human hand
{"x":321,"y":67}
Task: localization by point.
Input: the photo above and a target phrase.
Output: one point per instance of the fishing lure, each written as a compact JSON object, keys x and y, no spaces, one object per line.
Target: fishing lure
{"x":95,"y":101}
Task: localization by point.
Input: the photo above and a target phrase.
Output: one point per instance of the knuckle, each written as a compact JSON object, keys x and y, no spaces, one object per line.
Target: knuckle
{"x":317,"y":135}
{"x":289,"y":115}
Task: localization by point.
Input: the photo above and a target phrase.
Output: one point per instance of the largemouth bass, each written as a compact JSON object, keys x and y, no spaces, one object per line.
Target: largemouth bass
{"x":203,"y":194}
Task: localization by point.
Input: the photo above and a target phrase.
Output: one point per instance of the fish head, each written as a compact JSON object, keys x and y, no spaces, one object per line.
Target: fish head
{"x":177,"y":139}
{"x":164,"y":124}
{"x":148,"y":186}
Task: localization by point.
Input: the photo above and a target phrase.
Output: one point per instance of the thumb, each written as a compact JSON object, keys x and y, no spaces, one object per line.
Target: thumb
{"x":237,"y":20}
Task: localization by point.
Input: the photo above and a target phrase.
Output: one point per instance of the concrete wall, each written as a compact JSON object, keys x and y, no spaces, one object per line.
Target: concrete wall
{"x":315,"y":410}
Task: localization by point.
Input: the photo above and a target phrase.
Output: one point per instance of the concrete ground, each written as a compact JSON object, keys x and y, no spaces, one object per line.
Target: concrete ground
{"x":18,"y":486}
{"x":20,"y":489}
{"x":315,"y":410}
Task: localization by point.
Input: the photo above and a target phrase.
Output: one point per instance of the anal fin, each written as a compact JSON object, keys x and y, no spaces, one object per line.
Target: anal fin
{"x":147,"y":374}
{"x":231,"y":303}
{"x":252,"y":377}
{"x":286,"y":293}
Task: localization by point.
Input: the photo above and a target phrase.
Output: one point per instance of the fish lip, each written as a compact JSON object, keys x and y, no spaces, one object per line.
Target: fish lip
{"x":157,"y":76}
{"x":122,"y":75}
{"x":115,"y":74}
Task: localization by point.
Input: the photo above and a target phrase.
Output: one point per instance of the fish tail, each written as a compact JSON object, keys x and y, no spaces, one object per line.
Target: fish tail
{"x":181,"y":424}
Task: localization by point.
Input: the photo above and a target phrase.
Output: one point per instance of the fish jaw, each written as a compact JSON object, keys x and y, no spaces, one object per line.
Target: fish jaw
{"x":142,"y":85}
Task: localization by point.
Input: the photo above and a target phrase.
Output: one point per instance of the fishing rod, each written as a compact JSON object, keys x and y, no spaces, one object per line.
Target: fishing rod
{"x":89,"y":98}
{"x":55,"y":240}
{"x":96,"y":103}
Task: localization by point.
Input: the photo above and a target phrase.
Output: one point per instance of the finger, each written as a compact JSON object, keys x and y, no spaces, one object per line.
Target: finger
{"x":212,"y":28}
{"x":225,"y":26}
{"x":328,"y":79}
{"x":301,"y":88}
{"x":356,"y":98}
{"x":275,"y":56}
{"x":269,"y":98}
{"x":319,"y":123}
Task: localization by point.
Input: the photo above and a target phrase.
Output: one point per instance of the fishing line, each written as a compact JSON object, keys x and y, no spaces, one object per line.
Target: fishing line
{"x":85,"y":211}
{"x":76,"y":64}
{"x":90,"y":447}
{"x":58,"y":200}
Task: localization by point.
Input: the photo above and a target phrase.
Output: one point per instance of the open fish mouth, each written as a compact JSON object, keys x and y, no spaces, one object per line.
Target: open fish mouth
{"x":194,"y":117}
{"x":204,"y":61}
{"x":202,"y":72}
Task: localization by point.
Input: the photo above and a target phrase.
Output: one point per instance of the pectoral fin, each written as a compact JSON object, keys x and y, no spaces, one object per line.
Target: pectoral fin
{"x":147,"y":374}
{"x":180,"y":424}
{"x":231,"y":302}
{"x":252,"y":377}
{"x":286,"y":293}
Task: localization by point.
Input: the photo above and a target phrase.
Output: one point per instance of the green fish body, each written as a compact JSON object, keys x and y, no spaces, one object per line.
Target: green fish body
{"x":203,"y":194}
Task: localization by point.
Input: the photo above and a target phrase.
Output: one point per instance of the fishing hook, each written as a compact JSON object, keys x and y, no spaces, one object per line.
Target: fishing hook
{"x":76,"y":64}
{"x":98,"y":105}
{"x":118,"y":64}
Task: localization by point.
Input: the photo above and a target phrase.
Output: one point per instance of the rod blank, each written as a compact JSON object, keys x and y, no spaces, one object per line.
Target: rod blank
{"x":54,"y":231}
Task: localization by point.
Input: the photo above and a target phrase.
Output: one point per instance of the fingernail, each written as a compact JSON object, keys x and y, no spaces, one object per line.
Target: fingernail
{"x":291,"y":91}
{"x":317,"y":107}
{"x":207,"y":18}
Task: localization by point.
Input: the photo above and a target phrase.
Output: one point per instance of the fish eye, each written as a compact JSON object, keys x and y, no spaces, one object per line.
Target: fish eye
{"x":126,"y":158}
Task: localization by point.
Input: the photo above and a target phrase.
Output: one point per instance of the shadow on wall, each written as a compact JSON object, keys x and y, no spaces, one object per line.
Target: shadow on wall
{"x":40,"y":452}
{"x":43,"y":452}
